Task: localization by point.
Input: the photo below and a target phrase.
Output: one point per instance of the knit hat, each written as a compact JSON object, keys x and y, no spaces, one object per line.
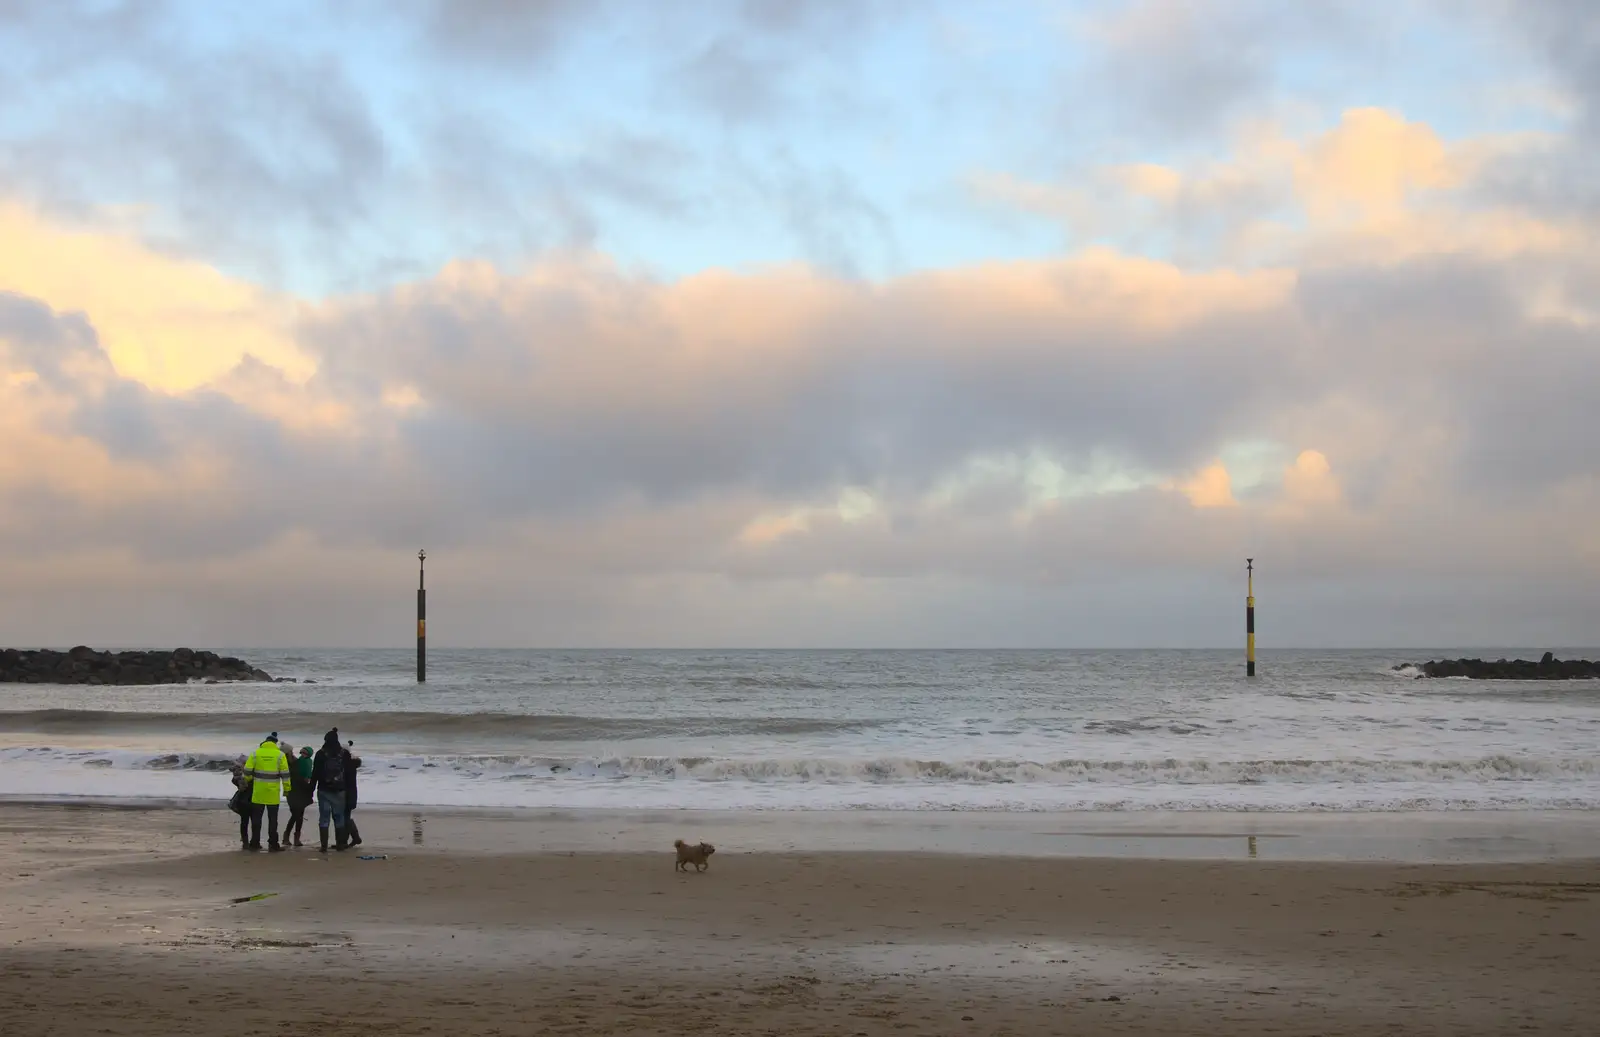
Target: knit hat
{"x":273,"y":737}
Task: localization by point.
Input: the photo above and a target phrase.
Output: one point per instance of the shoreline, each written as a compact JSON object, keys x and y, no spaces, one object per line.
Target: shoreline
{"x":1413,"y":837}
{"x":146,"y":923}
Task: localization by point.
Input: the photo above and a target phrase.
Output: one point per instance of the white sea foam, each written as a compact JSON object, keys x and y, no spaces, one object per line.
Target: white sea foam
{"x":893,"y":783}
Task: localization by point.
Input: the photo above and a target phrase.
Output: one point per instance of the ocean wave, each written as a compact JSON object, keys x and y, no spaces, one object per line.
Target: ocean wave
{"x":123,"y":759}
{"x":890,"y":770}
{"x":552,"y":727}
{"x":907,"y":770}
{"x":774,"y":683}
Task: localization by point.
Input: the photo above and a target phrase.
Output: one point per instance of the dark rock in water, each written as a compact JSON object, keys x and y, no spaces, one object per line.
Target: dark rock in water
{"x":1548,"y":668}
{"x":84,"y":665}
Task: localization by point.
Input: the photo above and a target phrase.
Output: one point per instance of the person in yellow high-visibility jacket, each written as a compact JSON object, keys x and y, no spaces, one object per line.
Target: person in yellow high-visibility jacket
{"x":266,"y":769}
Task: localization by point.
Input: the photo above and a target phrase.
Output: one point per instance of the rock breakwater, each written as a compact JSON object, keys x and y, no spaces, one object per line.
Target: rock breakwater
{"x":1548,"y":668}
{"x":83,"y":665}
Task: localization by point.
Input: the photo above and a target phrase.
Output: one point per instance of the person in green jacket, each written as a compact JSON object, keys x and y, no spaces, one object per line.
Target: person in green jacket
{"x":299,"y":796}
{"x":267,"y":769}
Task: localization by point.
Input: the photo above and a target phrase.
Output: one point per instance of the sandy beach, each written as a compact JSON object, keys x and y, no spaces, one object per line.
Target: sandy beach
{"x":127,"y":921}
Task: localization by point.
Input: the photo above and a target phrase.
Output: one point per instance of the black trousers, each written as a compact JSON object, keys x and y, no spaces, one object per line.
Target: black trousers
{"x":350,"y":824}
{"x":244,"y":826}
{"x":256,"y":810}
{"x":296,"y":823}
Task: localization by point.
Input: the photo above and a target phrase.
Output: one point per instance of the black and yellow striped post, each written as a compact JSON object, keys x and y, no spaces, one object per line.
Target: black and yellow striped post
{"x":422,"y":620}
{"x":1250,"y":617}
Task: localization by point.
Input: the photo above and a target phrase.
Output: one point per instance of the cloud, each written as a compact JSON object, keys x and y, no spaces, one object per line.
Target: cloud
{"x":518,"y":34}
{"x":1043,"y":424}
{"x":1565,"y":34}
{"x":1211,"y":487}
{"x":304,"y":167}
{"x":123,"y":104}
{"x":1558,"y":42}
{"x":1363,"y":352}
{"x":166,"y":322}
{"x":1310,"y":481}
{"x":1372,"y":187}
{"x":1184,"y":69}
{"x":737,"y":85}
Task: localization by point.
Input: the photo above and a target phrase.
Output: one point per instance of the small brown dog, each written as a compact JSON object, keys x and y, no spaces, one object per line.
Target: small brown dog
{"x":698,"y":854}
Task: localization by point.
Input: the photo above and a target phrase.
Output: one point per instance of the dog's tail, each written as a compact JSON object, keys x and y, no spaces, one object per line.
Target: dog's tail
{"x":678,"y":844}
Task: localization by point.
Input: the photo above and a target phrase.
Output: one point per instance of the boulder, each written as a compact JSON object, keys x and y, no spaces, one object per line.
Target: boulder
{"x":84,"y":665}
{"x":1548,"y":668}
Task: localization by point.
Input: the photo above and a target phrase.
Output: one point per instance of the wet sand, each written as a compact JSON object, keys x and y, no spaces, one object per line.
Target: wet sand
{"x":125,"y":922}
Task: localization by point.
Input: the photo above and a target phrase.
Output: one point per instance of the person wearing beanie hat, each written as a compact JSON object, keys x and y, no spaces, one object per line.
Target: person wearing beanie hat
{"x":327,"y":781}
{"x":352,"y":763}
{"x":299,"y":795}
{"x":266,"y":769}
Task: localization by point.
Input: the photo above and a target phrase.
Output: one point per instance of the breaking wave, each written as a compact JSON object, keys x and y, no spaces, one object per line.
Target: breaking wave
{"x":888,"y":770}
{"x":553,"y":727}
{"x":878,"y":783}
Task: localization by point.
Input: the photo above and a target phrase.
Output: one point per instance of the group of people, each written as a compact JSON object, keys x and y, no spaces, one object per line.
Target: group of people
{"x":328,"y":776}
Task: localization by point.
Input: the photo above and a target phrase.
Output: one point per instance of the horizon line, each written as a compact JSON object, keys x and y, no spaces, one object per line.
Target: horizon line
{"x":113,"y":646}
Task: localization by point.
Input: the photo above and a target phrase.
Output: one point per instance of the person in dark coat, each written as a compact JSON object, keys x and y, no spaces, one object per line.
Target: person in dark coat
{"x":240,"y":803}
{"x":352,"y":763}
{"x":299,"y":795}
{"x":327,"y":782}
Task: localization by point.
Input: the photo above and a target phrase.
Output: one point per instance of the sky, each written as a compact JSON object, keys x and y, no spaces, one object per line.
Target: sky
{"x":813,"y":323}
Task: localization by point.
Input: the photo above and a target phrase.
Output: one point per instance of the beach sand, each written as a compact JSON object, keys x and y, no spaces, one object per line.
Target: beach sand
{"x":120,"y":921}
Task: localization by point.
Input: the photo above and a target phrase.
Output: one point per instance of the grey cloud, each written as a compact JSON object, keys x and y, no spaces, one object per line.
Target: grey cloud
{"x":1453,"y":334}
{"x":1565,"y":34}
{"x":122,"y":420}
{"x":283,"y":166}
{"x":751,"y":63}
{"x":535,"y":413}
{"x":67,"y":33}
{"x":48,"y":343}
{"x":279,"y":163}
{"x":820,"y":19}
{"x":1562,"y":37}
{"x":565,"y":426}
{"x":263,"y":149}
{"x":1185,"y":69}
{"x":530,"y":406}
{"x":254,"y":503}
{"x":574,"y":398}
{"x":519,"y":34}
{"x":735,"y":84}
{"x":835,"y":224}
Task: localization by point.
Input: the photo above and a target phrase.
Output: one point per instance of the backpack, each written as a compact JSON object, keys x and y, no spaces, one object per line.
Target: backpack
{"x":330,"y":771}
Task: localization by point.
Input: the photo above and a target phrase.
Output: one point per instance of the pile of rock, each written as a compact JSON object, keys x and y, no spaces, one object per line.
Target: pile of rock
{"x":1548,"y":668}
{"x":84,"y":665}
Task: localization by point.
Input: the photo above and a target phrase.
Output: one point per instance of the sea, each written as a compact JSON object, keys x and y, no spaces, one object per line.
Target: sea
{"x":961,"y":730}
